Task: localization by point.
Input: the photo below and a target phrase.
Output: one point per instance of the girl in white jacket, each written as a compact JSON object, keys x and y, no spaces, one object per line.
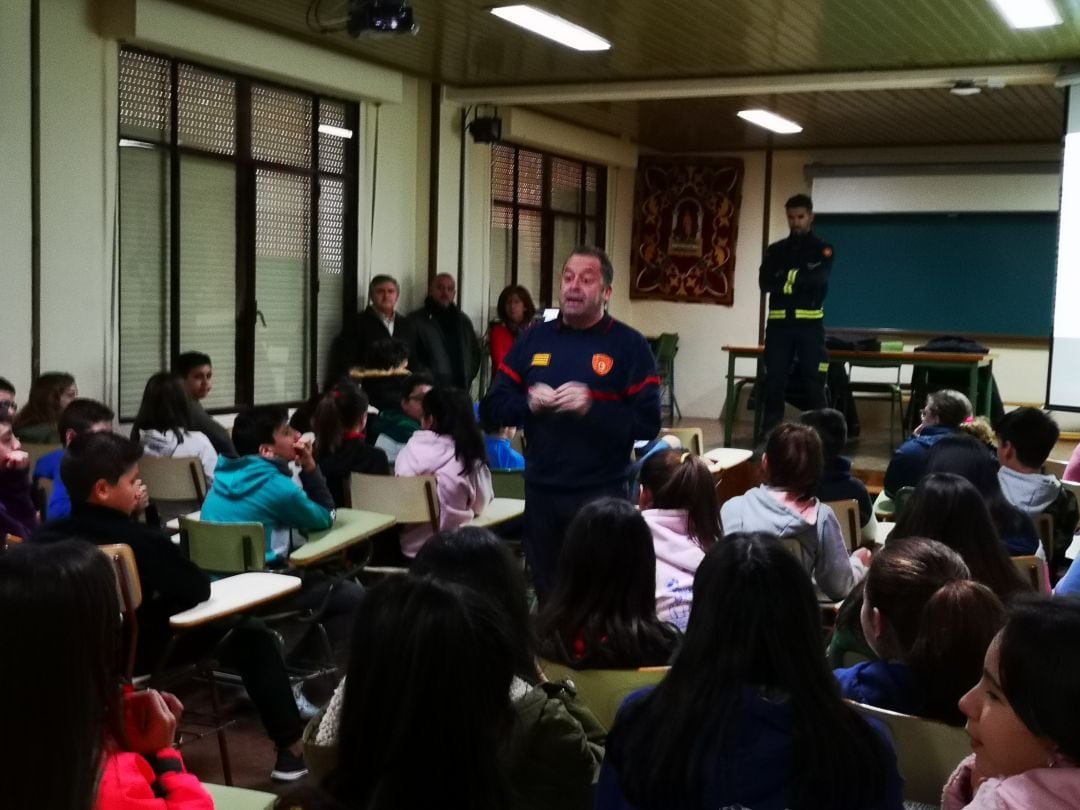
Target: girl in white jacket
{"x":678,"y":501}
{"x":163,"y":425}
{"x":449,"y":446}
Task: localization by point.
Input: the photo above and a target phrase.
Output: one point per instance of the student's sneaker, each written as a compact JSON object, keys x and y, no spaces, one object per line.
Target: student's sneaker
{"x":288,"y":767}
{"x":306,"y":708}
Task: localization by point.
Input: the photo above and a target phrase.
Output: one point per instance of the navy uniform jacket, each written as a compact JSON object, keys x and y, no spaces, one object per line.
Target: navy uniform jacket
{"x":567,"y":450}
{"x":795,"y":273}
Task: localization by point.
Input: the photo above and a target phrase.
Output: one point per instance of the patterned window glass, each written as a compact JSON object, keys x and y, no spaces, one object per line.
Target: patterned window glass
{"x":280,"y":127}
{"x":206,"y":109}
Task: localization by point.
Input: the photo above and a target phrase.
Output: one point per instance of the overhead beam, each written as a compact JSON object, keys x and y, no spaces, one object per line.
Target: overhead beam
{"x":991,"y":75}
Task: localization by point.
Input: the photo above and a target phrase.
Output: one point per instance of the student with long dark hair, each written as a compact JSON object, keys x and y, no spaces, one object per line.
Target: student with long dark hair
{"x":678,"y":501}
{"x":49,"y":394}
{"x":947,"y":508}
{"x":602,"y":613}
{"x":969,"y":458}
{"x":929,"y":624}
{"x":749,"y":715}
{"x":449,"y":446}
{"x":1022,"y":715}
{"x":341,"y":447}
{"x":427,"y":703}
{"x":164,"y":427}
{"x":78,"y":736}
{"x":516,"y":312}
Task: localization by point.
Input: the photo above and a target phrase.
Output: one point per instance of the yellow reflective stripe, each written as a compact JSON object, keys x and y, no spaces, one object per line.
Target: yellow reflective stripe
{"x":775,"y":314}
{"x":823,"y":367}
{"x":809,"y":314}
{"x":789,"y":286}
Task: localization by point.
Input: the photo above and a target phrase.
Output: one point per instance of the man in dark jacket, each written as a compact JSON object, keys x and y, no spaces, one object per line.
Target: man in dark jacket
{"x":101,"y":471}
{"x":379,"y":321}
{"x":448,"y":346}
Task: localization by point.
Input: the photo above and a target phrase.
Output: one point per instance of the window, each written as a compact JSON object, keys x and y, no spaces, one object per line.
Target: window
{"x":542,"y":207}
{"x":237,"y":226}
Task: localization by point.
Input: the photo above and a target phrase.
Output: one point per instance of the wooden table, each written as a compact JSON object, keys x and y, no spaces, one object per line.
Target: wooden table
{"x":980,"y":369}
{"x":236,"y":594}
{"x":351,"y":526}
{"x":732,"y":471}
{"x":499,"y":511}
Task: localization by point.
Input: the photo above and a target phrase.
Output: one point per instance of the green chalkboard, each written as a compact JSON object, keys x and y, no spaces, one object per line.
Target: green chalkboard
{"x":990,"y":274}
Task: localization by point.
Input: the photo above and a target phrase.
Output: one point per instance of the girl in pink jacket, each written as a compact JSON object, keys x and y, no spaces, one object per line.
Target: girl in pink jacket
{"x":449,"y":446}
{"x":1024,"y":715}
{"x":678,"y":501}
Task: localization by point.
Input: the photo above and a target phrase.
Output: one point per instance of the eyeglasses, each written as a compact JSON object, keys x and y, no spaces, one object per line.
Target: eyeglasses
{"x":8,"y":405}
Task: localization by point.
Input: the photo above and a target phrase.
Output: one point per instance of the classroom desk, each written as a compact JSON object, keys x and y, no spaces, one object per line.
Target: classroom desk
{"x":351,"y":526}
{"x":980,"y":369}
{"x":499,"y":511}
{"x":236,"y":594}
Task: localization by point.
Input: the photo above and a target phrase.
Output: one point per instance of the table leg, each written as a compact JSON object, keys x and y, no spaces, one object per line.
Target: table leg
{"x":986,"y":390}
{"x":729,"y":403}
{"x":973,"y":390}
{"x":759,"y":398}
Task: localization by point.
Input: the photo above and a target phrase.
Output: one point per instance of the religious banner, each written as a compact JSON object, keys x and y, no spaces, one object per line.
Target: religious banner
{"x":686,"y":219}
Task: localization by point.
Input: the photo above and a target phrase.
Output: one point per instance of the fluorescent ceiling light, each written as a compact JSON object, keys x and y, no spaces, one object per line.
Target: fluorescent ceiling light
{"x":764,"y":118}
{"x":135,"y":144}
{"x":548,"y":25}
{"x":1028,"y":13}
{"x":337,"y":132}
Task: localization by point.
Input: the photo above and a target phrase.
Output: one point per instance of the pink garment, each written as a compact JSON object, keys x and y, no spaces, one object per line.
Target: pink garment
{"x":462,"y":495}
{"x":129,"y":783}
{"x":1072,"y":469}
{"x":804,"y":508}
{"x":677,"y":560}
{"x":1056,"y":788}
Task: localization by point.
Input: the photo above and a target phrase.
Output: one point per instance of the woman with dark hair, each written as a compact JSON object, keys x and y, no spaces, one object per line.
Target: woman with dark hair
{"x":786,"y":507}
{"x":678,"y":501}
{"x":971,"y":459}
{"x":449,"y":446}
{"x":516,"y":311}
{"x":1022,"y":715}
{"x":49,"y":394}
{"x":928,"y":624}
{"x":78,"y":737}
{"x":946,"y":508}
{"x":555,"y":746}
{"x":749,"y":715}
{"x":427,"y":703}
{"x":602,"y":612}
{"x":341,"y":447}
{"x":164,"y":428}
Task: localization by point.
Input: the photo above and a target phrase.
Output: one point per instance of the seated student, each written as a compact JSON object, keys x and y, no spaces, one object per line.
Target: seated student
{"x":837,"y":482}
{"x":427,"y":704}
{"x":969,"y":458}
{"x":50,"y":393}
{"x":749,"y":715}
{"x":1069,"y":585}
{"x":942,"y":415}
{"x":197,"y":373}
{"x":450,"y":447}
{"x":602,"y":613}
{"x":394,"y":427}
{"x":164,"y":427}
{"x":497,"y":441}
{"x":678,"y":502}
{"x":101,"y":471}
{"x":257,"y":487}
{"x":1021,"y":715}
{"x":8,"y":405}
{"x":81,"y":743}
{"x":929,"y":625}
{"x":1026,"y":438}
{"x":386,"y":367}
{"x":82,"y":416}
{"x":18,"y":515}
{"x":555,"y":745}
{"x":785,"y":507}
{"x":341,"y":447}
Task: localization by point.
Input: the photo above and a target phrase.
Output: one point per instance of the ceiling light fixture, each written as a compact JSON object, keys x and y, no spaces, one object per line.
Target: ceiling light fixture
{"x":1028,"y":13}
{"x":764,"y":118}
{"x":966,"y":87}
{"x":337,"y":132}
{"x":555,"y":28}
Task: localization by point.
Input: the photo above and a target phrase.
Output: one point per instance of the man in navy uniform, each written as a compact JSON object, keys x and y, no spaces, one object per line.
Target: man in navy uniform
{"x":585,"y":387}
{"x":795,"y":274}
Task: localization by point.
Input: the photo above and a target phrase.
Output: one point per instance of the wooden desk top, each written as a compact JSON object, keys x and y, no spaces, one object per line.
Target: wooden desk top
{"x":500,"y":510}
{"x":901,"y":357}
{"x":236,"y":594}
{"x":351,"y":526}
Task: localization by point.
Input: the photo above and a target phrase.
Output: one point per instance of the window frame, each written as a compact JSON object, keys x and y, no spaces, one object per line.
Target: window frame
{"x":246,"y":165}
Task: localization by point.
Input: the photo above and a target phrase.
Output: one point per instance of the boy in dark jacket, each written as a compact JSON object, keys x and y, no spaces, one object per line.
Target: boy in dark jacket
{"x":837,"y":482}
{"x":101,"y":471}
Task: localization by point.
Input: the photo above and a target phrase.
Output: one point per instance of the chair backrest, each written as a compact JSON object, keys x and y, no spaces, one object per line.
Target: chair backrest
{"x":692,"y":438}
{"x":847,"y":512}
{"x":508,"y":483}
{"x":667,"y":346}
{"x":927,"y":752}
{"x":1044,"y":522}
{"x":1033,"y":570}
{"x":410,"y":499}
{"x":224,"y":548}
{"x":173,"y":479}
{"x":35,"y":451}
{"x":900,"y":500}
{"x":129,"y":589}
{"x":603,"y":690}
{"x":1055,"y":467}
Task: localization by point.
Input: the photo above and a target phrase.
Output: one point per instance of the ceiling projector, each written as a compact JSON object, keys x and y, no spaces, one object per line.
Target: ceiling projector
{"x":369,"y":17}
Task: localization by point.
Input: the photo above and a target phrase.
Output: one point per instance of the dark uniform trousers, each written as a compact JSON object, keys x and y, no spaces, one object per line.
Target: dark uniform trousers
{"x":802,"y":341}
